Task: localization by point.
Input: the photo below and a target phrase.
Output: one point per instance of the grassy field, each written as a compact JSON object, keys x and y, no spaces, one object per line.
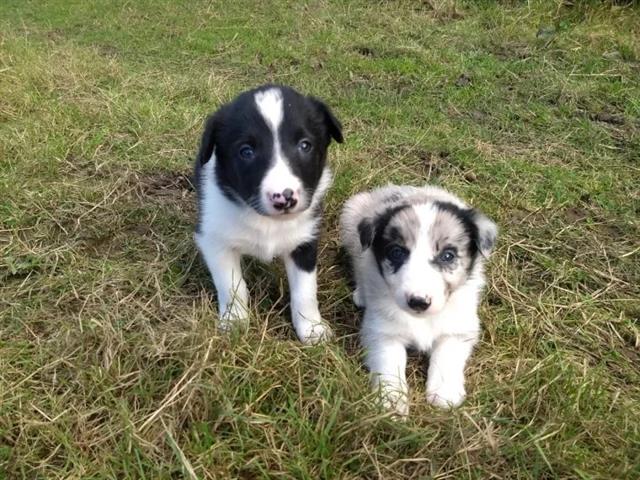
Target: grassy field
{"x":110,"y":363}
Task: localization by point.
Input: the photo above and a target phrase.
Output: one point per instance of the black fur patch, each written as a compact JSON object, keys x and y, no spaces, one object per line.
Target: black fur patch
{"x":365,"y":229}
{"x":397,"y":261}
{"x":305,"y":255}
{"x":380,"y":243}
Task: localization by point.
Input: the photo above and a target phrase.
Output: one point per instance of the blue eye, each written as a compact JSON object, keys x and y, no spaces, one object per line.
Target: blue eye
{"x":447,"y":256}
{"x":305,"y":146}
{"x":397,"y":254}
{"x":247,"y":153}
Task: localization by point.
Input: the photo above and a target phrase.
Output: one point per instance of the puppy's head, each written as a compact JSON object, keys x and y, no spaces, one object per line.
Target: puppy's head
{"x":427,"y":250}
{"x":270,"y":148}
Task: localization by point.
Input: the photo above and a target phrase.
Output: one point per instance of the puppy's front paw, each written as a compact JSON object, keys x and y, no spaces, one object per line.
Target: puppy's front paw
{"x":358,"y":297}
{"x":312,"y":332}
{"x":446,"y":394}
{"x":397,"y":402}
{"x":232,"y":317}
{"x":392,"y":396}
{"x":226,"y":324}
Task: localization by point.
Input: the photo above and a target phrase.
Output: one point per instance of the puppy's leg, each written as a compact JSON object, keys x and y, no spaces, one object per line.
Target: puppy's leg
{"x":445,"y":380}
{"x":358,"y":297}
{"x":358,"y":294}
{"x":301,"y":271}
{"x":226,"y":271}
{"x":387,"y":362}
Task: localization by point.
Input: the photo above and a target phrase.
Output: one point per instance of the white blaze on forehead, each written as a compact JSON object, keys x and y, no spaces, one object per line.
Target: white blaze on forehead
{"x":418,"y":266}
{"x":427,"y":214}
{"x":269,"y":104}
{"x":279,"y":177}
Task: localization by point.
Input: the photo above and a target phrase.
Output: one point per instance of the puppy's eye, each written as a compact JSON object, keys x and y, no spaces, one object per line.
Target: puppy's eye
{"x":397,"y":254}
{"x":447,"y":256}
{"x":305,"y":146}
{"x":247,"y":153}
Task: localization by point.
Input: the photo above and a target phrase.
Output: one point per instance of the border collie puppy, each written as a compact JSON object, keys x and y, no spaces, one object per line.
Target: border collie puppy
{"x":418,"y":256}
{"x":261,"y":175}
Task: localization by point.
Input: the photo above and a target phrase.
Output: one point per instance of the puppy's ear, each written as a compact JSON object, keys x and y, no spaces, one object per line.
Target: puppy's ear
{"x":487,"y":233}
{"x":208,"y":141}
{"x":365,"y":229}
{"x":332,"y":123}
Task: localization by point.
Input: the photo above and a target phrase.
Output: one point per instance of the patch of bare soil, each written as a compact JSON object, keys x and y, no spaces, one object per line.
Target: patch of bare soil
{"x":166,"y":184}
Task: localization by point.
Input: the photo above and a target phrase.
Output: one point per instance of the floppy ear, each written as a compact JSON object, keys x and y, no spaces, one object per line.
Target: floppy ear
{"x":368,"y":228}
{"x":366,"y":231}
{"x":332,"y":123}
{"x":208,"y":141}
{"x":487,"y":233}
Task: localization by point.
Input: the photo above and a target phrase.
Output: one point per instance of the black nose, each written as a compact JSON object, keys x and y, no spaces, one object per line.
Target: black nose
{"x":287,"y":194}
{"x":419,"y":304}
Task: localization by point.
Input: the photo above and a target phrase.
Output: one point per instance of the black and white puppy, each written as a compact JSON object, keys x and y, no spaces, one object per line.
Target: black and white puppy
{"x":261,"y":175}
{"x":418,"y":256}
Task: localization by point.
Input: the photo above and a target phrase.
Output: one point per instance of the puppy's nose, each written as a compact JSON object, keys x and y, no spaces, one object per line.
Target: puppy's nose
{"x":419,"y":304}
{"x":285,"y":200}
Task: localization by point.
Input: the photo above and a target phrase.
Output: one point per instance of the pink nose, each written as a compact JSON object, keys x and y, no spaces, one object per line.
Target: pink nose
{"x":285,"y":200}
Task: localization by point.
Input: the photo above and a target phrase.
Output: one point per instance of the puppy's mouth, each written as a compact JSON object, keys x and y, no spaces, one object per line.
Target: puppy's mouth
{"x":285,"y":207}
{"x":414,"y":312}
{"x":287,"y":211}
{"x":280,"y":211}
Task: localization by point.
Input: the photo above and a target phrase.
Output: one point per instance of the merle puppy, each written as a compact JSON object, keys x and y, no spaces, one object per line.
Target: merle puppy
{"x":261,"y":175}
{"x":418,"y":256}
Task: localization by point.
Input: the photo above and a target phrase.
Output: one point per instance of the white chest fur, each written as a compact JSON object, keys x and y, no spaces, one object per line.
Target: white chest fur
{"x":241,"y":228}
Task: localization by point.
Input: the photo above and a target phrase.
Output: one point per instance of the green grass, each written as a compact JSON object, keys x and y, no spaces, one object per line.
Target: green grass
{"x":110,"y":363}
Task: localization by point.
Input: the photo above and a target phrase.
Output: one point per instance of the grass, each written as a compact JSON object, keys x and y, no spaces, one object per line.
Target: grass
{"x":110,"y":363}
